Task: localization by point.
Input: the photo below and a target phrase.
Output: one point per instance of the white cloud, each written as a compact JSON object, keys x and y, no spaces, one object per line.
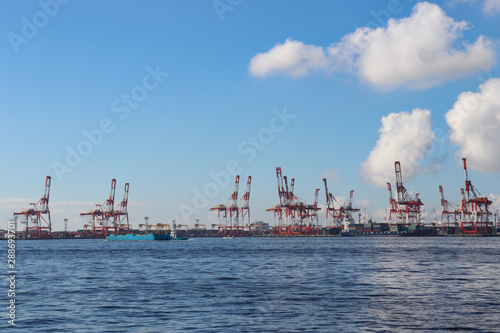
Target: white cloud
{"x":12,"y":203}
{"x":414,"y":52}
{"x":490,"y":7}
{"x":291,"y":58}
{"x":475,"y":126}
{"x":417,"y":51}
{"x":379,"y":214}
{"x":405,"y":137}
{"x":331,"y":175}
{"x":364,"y":203}
{"x":496,"y":203}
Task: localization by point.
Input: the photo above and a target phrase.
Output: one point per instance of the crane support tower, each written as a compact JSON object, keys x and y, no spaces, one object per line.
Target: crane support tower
{"x":475,"y":209}
{"x":37,"y":216}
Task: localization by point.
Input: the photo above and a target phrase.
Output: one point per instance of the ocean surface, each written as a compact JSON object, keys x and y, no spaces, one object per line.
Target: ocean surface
{"x":354,"y":284}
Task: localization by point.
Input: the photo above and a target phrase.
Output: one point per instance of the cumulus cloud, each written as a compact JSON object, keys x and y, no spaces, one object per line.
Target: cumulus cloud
{"x":474,"y":121}
{"x":415,"y":52}
{"x":405,"y":137}
{"x":491,"y":6}
{"x":292,"y":58}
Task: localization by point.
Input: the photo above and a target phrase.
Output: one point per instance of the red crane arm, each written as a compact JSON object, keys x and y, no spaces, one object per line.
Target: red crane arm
{"x":316,"y":198}
{"x":350,"y":198}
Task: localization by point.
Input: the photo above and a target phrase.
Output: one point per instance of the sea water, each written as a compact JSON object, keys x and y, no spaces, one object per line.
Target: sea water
{"x":310,"y":284}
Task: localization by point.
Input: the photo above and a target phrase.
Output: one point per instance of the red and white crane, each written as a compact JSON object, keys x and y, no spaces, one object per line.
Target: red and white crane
{"x":292,"y":215}
{"x":37,"y":216}
{"x":406,"y":209}
{"x":120,"y":213}
{"x":229,"y":213}
{"x":102,"y":217}
{"x":338,"y":217}
{"x":449,"y":210}
{"x":245,"y":205}
{"x":475,"y":208}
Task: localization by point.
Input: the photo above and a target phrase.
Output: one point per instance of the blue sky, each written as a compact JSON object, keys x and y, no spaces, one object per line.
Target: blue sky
{"x":198,"y":93}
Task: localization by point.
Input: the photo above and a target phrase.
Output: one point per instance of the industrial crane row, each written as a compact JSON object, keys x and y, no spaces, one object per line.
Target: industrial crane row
{"x":292,"y":215}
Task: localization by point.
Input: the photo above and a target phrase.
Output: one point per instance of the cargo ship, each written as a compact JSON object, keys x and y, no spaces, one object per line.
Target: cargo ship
{"x":143,"y":237}
{"x":388,"y":230}
{"x":138,"y":237}
{"x":147,"y":237}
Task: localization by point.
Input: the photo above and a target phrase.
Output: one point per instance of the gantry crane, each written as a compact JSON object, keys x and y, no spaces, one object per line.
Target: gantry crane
{"x":310,"y":214}
{"x":475,"y":208}
{"x":336,"y":218}
{"x":406,"y":209}
{"x":120,"y":213}
{"x":280,"y":226}
{"x":292,"y":215}
{"x":102,"y":216}
{"x":228,"y":213}
{"x":244,"y":208}
{"x":449,"y":210}
{"x":37,"y":216}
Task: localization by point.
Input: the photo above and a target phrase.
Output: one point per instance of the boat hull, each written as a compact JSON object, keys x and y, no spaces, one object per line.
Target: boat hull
{"x":419,"y":232}
{"x":371,"y":234}
{"x":142,"y":237}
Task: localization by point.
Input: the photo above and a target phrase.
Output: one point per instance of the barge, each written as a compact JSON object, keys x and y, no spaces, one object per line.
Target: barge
{"x":147,"y":237}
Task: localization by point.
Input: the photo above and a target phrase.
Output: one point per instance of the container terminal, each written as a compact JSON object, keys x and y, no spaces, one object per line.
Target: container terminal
{"x":292,"y":215}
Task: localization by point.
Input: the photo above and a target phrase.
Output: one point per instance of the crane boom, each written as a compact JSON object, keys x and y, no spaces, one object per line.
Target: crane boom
{"x":400,"y":189}
{"x":279,"y":177}
{"x":246,"y":197}
{"x":350,"y":199}
{"x":123,"y":205}
{"x":125,"y":195}
{"x":467,"y":181}
{"x":444,"y":203}
{"x":326,"y":191}
{"x":233,"y":199}
{"x":286,"y":192}
{"x":113,"y":189}
{"x":109,"y":204}
{"x":391,"y":199}
{"x":316,"y":198}
{"x":44,"y":202}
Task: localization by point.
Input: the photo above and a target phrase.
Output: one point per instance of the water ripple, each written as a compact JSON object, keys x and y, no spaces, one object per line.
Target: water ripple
{"x":259,"y":285}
